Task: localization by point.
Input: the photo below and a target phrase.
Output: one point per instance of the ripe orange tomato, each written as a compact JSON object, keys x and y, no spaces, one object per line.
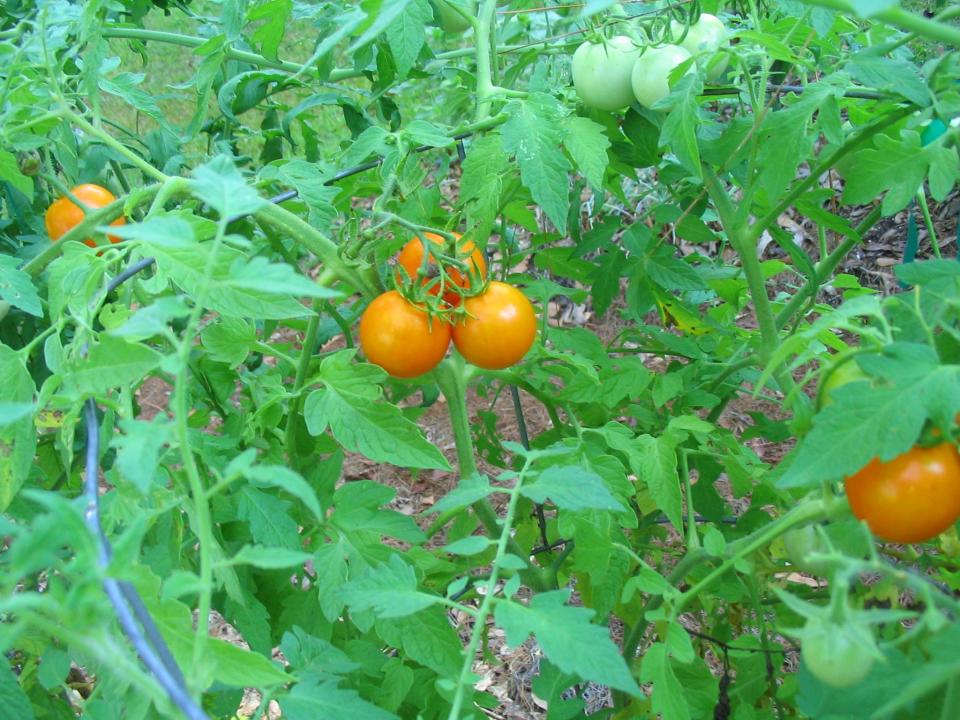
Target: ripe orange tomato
{"x":501,"y":328}
{"x":912,"y":498}
{"x":411,"y":260}
{"x":400,"y":337}
{"x":63,"y":214}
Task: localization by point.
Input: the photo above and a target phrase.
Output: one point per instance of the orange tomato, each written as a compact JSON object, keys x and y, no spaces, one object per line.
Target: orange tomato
{"x":400,"y":337}
{"x":501,"y":329}
{"x":912,"y":498}
{"x":411,"y":260}
{"x":63,"y":214}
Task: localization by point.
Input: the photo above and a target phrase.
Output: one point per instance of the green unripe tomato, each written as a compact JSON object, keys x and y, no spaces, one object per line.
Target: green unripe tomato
{"x":447,"y":17}
{"x":651,"y":73}
{"x":602,"y":73}
{"x":799,"y":544}
{"x":707,"y":34}
{"x":838,"y":655}
{"x":838,"y":376}
{"x":704,"y":38}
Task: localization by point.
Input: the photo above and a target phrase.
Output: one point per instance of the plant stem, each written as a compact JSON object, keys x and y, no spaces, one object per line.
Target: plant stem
{"x":303,"y":366}
{"x":451,"y":378}
{"x":317,"y":243}
{"x":826,"y":267}
{"x":115,"y":145}
{"x":799,"y":515}
{"x":745,"y":246}
{"x":928,"y":221}
{"x":480,"y":623}
{"x":231,"y":53}
{"x":181,"y":408}
{"x":485,"y":87}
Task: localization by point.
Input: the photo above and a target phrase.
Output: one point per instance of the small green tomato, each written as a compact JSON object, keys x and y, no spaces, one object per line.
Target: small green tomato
{"x":651,"y":72}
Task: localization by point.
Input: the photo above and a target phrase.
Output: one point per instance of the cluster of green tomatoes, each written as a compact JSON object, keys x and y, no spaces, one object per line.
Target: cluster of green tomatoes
{"x":612,"y":73}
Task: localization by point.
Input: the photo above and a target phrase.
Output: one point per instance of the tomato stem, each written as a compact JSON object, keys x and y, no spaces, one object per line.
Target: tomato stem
{"x":451,"y":376}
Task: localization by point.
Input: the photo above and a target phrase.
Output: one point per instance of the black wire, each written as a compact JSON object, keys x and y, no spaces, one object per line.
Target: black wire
{"x":169,"y":678}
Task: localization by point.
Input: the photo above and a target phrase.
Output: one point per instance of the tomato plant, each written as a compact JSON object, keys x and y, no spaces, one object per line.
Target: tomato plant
{"x":63,"y":214}
{"x":913,"y":497}
{"x":498,"y":329}
{"x":602,"y":72}
{"x":650,"y":77}
{"x":237,"y":436}
{"x":411,"y":260}
{"x":400,"y":337}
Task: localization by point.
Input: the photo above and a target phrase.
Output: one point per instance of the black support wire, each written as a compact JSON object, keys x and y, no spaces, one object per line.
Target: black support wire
{"x":134,"y":619}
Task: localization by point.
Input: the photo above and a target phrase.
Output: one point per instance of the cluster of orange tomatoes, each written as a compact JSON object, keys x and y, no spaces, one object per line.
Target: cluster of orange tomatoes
{"x":495,"y":329}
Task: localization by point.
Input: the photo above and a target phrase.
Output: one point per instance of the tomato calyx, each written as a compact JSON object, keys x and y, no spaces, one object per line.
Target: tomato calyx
{"x":440,"y":269}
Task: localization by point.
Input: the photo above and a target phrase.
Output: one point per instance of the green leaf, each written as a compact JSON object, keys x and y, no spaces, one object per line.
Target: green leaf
{"x":671,"y":273}
{"x":282,"y":477}
{"x":224,"y":663}
{"x":944,"y":170}
{"x":667,"y":693}
{"x":16,"y":287}
{"x":654,"y":461}
{"x":895,"y":166}
{"x":229,"y":340}
{"x":10,"y":171}
{"x":587,"y":144}
{"x":269,"y":34}
{"x":310,"y":182}
{"x":533,"y":134}
{"x":679,"y":130}
{"x":311,"y":654}
{"x":313,"y":698}
{"x":571,"y":488}
{"x":269,"y":558}
{"x":568,"y":638}
{"x":426,"y":637}
{"x":111,"y":362}
{"x":869,"y":8}
{"x":152,"y":319}
{"x":139,"y":449}
{"x":470,"y":545}
{"x":18,"y":440}
{"x":236,"y":286}
{"x":377,"y":430}
{"x":11,"y":413}
{"x":380,"y":15}
{"x":219,"y":184}
{"x":13,"y":699}
{"x":389,"y":590}
{"x":896,"y":76}
{"x":481,"y":185}
{"x":406,"y":34}
{"x":466,"y":493}
{"x":270,"y":523}
{"x":358,"y":509}
{"x":126,"y":86}
{"x":425,"y":133}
